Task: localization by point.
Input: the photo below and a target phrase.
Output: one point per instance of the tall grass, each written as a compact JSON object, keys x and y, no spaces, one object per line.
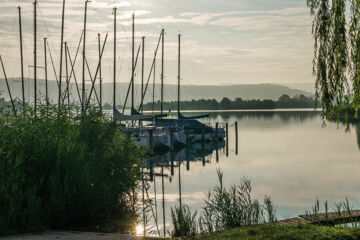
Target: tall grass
{"x":341,"y":214}
{"x":224,"y":209}
{"x":234,"y":207}
{"x":61,"y":167}
{"x":184,"y":222}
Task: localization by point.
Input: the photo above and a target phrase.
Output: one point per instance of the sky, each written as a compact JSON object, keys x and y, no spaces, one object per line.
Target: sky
{"x":223,"y":42}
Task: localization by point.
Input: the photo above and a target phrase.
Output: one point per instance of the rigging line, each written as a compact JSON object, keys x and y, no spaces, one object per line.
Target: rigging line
{"x":153,"y":212}
{"x":43,"y":20}
{"x":127,"y":95}
{"x":52,"y":63}
{"x":73,"y":64}
{"x":121,"y":67}
{"x":122,"y":59}
{"x":97,"y":71}
{"x":8,"y":87}
{"x":152,"y":68}
{"x":92,"y":81}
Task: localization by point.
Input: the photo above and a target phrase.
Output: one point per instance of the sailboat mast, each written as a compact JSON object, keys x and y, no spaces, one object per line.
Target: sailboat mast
{"x":35,"y":56}
{"x":162,"y":71}
{"x":83,"y":60}
{"x":114,"y":87}
{"x":22,"y":61}
{"x":180,"y":197}
{"x":133,"y":61}
{"x":67,"y":77}
{"x":163,"y":198}
{"x":154,"y":76}
{"x":142,"y":74}
{"x":46,"y":74}
{"x":179,"y":77}
{"x":99,"y":47}
{"x":61,"y":51}
{"x":8,"y":87}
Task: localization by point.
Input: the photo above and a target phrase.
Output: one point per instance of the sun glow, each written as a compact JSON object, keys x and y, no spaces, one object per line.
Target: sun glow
{"x":139,"y":230}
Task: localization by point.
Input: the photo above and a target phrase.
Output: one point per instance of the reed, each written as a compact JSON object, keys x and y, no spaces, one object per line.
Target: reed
{"x":234,"y":207}
{"x":224,"y":209}
{"x":59,"y":167}
{"x":184,"y":222}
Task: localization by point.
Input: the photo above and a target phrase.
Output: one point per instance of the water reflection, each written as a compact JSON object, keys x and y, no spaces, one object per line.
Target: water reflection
{"x":282,"y":117}
{"x":169,"y":162}
{"x":287,"y":155}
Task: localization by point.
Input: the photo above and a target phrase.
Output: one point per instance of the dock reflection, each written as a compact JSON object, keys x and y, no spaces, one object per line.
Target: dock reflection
{"x":163,"y":167}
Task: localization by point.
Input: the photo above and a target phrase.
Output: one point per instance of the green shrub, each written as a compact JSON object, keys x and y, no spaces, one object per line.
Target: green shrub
{"x":60,"y":167}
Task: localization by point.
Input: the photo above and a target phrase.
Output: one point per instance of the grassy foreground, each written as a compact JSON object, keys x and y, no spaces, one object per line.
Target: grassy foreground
{"x":61,"y":169}
{"x":291,"y":232}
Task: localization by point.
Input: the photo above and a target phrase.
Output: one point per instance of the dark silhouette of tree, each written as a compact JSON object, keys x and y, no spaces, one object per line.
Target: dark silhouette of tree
{"x":284,"y":101}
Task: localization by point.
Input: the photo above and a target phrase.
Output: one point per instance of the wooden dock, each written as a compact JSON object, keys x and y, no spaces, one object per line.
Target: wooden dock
{"x":331,"y":218}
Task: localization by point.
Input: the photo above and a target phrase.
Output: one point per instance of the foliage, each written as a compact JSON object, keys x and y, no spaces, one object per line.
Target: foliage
{"x":184,"y":222}
{"x":234,"y":207}
{"x":284,"y":101}
{"x":224,"y":209}
{"x":59,"y":168}
{"x":291,"y":232}
{"x":336,"y":54}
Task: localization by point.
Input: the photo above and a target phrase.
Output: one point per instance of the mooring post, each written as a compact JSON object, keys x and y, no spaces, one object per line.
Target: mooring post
{"x":172,"y":164}
{"x":237,"y":138}
{"x":203,"y":143}
{"x":151,"y":170}
{"x":151,"y":141}
{"x":187,"y":159}
{"x":227,"y":139}
{"x":217,"y":133}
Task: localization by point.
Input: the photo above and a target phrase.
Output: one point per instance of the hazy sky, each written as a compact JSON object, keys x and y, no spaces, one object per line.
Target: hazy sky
{"x":224,"y":42}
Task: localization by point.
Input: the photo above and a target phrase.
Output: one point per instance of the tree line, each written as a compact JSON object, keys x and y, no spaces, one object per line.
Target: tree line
{"x":285,"y":101}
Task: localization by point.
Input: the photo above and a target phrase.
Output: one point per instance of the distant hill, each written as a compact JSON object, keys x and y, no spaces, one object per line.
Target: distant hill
{"x":308,"y":87}
{"x":188,"y":92}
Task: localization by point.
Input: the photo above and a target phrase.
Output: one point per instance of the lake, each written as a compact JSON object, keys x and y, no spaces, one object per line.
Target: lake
{"x":286,"y":154}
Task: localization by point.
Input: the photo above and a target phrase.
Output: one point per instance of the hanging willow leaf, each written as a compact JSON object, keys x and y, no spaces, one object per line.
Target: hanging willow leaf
{"x":338,"y":54}
{"x":354,"y":35}
{"x":331,"y":55}
{"x":321,"y":31}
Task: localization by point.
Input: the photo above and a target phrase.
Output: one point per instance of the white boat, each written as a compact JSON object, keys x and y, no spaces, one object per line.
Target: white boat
{"x":160,"y":138}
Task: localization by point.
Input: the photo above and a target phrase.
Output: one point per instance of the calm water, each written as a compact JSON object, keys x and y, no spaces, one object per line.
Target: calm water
{"x":287,"y":155}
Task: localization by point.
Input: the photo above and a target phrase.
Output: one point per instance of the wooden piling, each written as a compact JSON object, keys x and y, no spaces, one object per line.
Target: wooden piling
{"x":172,"y":164}
{"x":217,"y":133}
{"x":203,"y":143}
{"x":236,"y":138}
{"x":187,"y":159}
{"x":227,"y":139}
{"x":151,"y":170}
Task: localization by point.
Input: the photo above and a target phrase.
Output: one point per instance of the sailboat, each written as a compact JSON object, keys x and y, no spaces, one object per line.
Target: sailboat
{"x":159,"y":136}
{"x":197,"y":130}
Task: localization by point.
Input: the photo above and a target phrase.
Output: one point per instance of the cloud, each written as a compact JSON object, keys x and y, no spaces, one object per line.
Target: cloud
{"x":259,"y":42}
